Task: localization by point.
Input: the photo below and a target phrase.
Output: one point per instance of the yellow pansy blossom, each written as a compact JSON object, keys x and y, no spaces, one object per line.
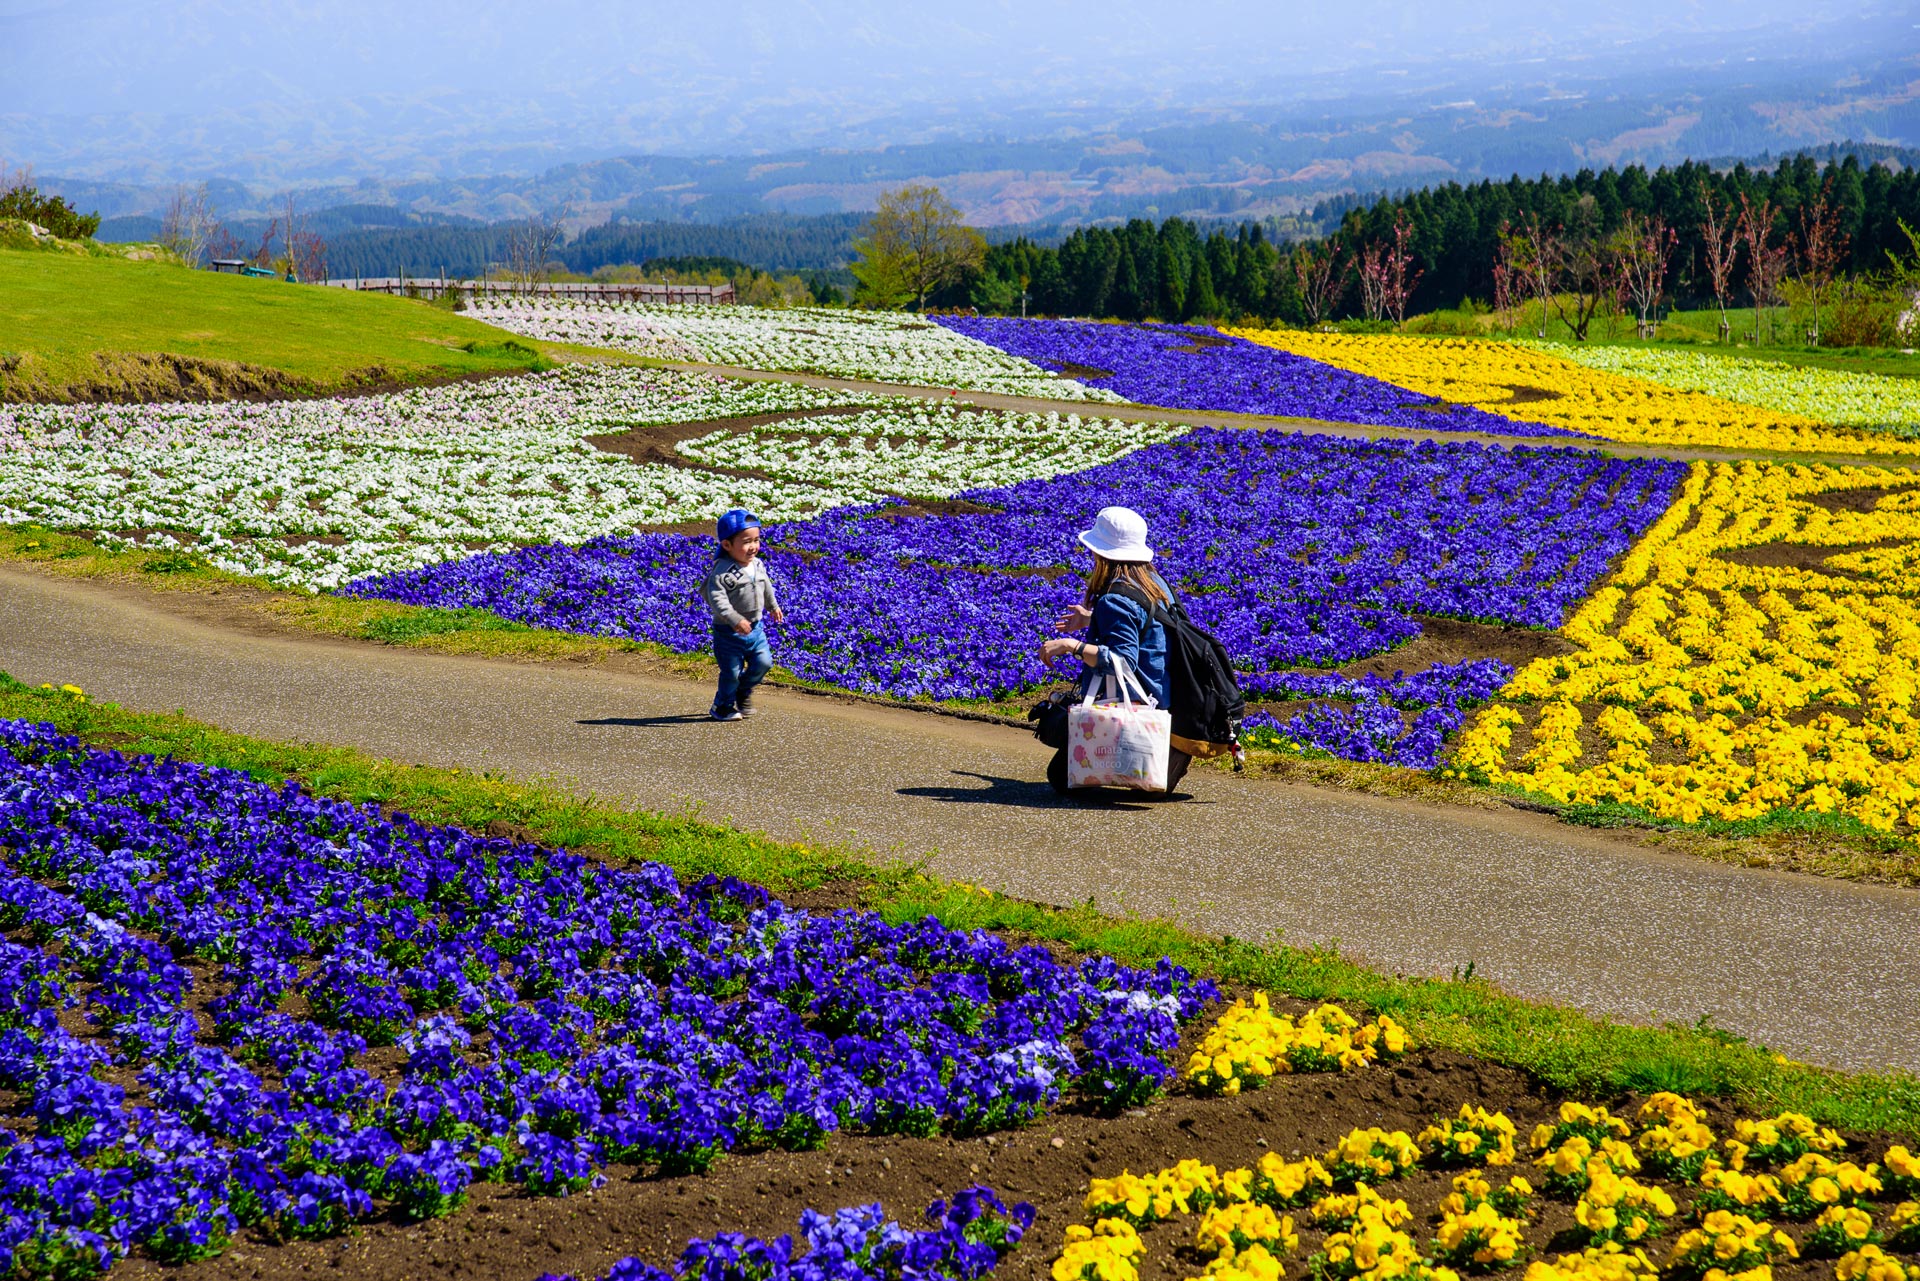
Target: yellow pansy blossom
{"x":1599,"y":1263}
{"x":1871,"y":1263}
{"x":1229,"y":1230}
{"x":1108,"y":1251}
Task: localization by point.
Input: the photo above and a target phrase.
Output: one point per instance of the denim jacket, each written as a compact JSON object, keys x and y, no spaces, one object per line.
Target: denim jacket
{"x":1121,"y":627}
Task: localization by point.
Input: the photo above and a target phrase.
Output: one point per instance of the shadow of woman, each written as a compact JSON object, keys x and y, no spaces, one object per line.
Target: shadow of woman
{"x":1025,"y":793}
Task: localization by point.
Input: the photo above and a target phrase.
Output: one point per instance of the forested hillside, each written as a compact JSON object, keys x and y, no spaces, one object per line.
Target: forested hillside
{"x":1179,"y":270}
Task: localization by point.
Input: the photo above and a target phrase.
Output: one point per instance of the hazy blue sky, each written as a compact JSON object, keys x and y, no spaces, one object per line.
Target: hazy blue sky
{"x":70,"y":56}
{"x":202,"y":75}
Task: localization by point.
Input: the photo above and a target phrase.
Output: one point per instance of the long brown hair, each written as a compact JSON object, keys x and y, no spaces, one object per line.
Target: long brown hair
{"x":1133,"y":573}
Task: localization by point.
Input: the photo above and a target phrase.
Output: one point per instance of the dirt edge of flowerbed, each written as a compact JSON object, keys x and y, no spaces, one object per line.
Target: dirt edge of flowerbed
{"x":142,"y":377}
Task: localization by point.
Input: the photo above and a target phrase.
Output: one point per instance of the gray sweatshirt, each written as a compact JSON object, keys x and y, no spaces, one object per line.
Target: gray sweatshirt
{"x":737,"y":593}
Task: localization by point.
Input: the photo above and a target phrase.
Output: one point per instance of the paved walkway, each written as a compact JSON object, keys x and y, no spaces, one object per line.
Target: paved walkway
{"x":1820,"y":970}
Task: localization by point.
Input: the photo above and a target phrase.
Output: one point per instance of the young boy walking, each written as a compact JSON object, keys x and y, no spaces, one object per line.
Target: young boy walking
{"x":741,"y":596}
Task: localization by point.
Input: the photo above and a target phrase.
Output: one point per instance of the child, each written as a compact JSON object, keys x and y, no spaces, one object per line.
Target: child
{"x":740,"y":595}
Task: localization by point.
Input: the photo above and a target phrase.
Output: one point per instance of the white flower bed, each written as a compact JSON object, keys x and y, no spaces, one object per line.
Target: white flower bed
{"x":874,"y":346}
{"x":1825,"y":395}
{"x":926,"y":451}
{"x":316,"y":493}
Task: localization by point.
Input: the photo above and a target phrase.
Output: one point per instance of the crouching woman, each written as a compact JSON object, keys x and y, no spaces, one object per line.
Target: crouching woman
{"x":1116,"y":625}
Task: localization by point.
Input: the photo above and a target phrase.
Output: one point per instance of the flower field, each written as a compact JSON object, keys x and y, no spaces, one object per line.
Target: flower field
{"x":877,"y":346}
{"x":316,"y":493}
{"x":1873,"y":401}
{"x":239,"y":1019}
{"x":1588,"y":1195}
{"x":1194,"y":367}
{"x":1295,"y":550}
{"x":228,"y":1004}
{"x":1759,"y":650}
{"x":1528,"y":384}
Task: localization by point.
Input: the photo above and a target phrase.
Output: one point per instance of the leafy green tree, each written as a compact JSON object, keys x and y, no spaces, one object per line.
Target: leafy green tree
{"x":1173,"y":285}
{"x":1201,"y":302}
{"x":914,"y":245}
{"x":1128,"y":301}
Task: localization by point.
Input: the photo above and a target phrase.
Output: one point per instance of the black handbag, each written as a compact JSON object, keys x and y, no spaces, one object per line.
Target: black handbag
{"x":1049,"y":717}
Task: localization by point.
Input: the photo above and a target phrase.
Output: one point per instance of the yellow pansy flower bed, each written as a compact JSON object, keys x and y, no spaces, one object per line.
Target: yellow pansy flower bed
{"x":1759,"y":650}
{"x":1532,"y":386}
{"x":1243,"y":1223}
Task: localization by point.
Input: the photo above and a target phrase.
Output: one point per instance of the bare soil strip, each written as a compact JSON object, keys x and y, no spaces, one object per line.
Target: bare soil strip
{"x":515,"y":1237}
{"x":658,"y":444}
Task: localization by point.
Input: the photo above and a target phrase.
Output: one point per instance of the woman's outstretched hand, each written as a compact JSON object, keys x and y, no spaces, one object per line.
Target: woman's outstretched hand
{"x":1076,"y":617}
{"x":1061,"y":647}
{"x":1056,"y":649}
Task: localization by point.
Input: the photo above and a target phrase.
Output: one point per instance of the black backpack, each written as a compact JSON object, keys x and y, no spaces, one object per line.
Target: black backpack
{"x":1207,"y":703}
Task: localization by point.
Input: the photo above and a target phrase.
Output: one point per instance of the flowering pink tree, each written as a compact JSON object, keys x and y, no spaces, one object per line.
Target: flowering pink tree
{"x":1398,"y":275}
{"x":1371,"y":264}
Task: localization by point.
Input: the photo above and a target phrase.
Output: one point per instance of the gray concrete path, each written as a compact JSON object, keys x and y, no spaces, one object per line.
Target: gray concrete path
{"x":1820,"y":970}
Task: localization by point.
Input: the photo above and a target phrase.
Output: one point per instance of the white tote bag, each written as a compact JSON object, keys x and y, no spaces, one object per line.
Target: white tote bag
{"x":1121,"y":740}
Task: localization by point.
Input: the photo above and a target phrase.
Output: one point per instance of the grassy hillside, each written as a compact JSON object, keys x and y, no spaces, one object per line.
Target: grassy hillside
{"x":84,"y":327}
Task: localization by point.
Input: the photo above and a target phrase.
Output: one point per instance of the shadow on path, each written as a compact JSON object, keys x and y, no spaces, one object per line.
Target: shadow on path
{"x":654,"y":722}
{"x":1029,"y":794}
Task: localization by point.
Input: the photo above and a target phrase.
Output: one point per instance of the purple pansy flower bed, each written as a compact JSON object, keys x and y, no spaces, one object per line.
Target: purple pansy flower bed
{"x":963,"y":1241}
{"x":1295,"y":550}
{"x":199,"y":971}
{"x":1194,"y":367}
{"x":1370,"y":726}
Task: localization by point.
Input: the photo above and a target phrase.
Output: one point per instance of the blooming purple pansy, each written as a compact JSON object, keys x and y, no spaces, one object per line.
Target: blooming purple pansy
{"x":1195,"y":367}
{"x":552,"y":1015}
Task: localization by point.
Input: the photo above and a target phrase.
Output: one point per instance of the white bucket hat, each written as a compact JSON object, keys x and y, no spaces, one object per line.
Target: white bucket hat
{"x":1119,"y":534}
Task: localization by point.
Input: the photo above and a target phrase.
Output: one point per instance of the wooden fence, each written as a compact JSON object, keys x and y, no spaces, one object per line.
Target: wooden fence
{"x":433,"y":287}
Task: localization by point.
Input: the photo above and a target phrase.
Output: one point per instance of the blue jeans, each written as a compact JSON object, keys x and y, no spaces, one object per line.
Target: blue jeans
{"x":744,"y":661}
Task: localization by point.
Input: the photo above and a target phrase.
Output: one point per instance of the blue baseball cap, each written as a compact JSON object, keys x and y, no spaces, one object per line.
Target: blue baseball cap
{"x":733,"y":522}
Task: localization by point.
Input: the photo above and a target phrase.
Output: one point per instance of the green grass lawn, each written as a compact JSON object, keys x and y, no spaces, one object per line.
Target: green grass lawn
{"x":59,"y":311}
